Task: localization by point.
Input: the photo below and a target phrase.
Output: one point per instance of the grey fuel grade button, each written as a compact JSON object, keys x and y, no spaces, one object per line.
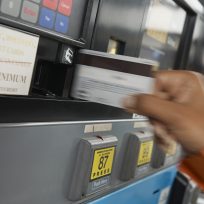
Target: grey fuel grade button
{"x":138,"y":155}
{"x":94,"y":166}
{"x":30,"y":12}
{"x":11,"y":7}
{"x":159,"y":157}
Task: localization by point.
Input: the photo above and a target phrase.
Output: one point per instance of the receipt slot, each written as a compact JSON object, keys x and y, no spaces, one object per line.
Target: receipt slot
{"x":138,"y":155}
{"x":94,"y":165}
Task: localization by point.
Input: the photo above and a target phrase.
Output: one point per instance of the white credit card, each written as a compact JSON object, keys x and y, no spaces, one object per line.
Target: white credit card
{"x":108,"y":86}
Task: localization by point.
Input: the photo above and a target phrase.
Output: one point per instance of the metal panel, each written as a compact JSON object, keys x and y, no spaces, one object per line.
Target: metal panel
{"x":148,"y":190}
{"x":121,"y":20}
{"x":18,"y":110}
{"x":196,"y":62}
{"x":37,"y":161}
{"x":202,"y":1}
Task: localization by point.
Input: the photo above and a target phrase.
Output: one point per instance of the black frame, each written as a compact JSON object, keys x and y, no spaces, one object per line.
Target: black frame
{"x":186,"y":37}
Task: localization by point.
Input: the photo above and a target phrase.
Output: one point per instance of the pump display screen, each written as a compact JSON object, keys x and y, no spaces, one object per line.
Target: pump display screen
{"x":63,"y":17}
{"x":163,"y":30}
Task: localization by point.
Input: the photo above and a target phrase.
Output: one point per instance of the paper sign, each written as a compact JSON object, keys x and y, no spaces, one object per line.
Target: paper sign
{"x":17,"y":59}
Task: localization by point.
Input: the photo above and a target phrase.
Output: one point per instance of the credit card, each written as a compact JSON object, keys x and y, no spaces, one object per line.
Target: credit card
{"x":108,"y":79}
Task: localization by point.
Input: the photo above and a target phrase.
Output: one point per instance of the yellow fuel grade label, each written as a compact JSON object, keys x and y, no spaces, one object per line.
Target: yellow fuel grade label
{"x":145,"y":153}
{"x":102,"y":162}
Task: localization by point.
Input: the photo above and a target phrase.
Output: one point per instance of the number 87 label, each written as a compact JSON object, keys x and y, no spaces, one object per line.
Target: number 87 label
{"x":102,"y":162}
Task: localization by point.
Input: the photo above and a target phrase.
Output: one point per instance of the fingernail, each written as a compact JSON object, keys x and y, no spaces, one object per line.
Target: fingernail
{"x":130,"y":102}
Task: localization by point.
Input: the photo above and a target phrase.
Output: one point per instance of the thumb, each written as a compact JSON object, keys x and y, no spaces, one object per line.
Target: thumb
{"x":167,"y":112}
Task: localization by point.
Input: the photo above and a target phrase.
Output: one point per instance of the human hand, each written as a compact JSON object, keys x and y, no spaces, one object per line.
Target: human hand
{"x":176,"y":108}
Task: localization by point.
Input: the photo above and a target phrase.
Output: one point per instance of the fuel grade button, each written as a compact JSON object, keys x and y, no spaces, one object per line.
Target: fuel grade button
{"x":94,"y":165}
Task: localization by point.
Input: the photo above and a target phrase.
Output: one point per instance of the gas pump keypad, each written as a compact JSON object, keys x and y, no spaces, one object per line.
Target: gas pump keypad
{"x":50,"y":14}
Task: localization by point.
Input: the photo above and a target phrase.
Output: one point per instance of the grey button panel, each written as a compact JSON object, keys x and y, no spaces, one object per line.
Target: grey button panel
{"x":41,"y":13}
{"x":11,"y":7}
{"x":36,"y":1}
{"x":30,"y":12}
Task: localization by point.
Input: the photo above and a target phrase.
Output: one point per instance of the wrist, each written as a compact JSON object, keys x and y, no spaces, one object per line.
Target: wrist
{"x":202,"y":152}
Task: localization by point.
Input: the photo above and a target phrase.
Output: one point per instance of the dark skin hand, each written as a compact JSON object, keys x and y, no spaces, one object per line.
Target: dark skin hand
{"x":176,"y":108}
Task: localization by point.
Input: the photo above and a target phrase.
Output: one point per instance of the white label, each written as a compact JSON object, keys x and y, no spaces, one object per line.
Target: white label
{"x":164,"y":195}
{"x":139,"y":117}
{"x":103,"y":127}
{"x":17,"y":58}
{"x":100,"y":182}
{"x":98,"y":128}
{"x":107,"y":86}
{"x":141,"y":124}
{"x":88,"y":128}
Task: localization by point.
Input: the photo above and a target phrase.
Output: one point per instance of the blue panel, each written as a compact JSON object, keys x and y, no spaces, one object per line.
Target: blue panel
{"x":47,"y":18}
{"x":145,"y":191}
{"x":62,"y":23}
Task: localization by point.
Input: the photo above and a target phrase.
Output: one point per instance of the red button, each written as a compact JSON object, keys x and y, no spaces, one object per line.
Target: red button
{"x":52,"y":4}
{"x":65,"y":7}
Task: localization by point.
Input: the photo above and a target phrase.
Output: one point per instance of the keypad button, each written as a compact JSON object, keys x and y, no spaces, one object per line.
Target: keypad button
{"x":62,"y":23}
{"x":47,"y":18}
{"x":52,"y":4}
{"x":11,"y":7}
{"x":30,"y":12}
{"x":65,"y":7}
{"x":36,"y":1}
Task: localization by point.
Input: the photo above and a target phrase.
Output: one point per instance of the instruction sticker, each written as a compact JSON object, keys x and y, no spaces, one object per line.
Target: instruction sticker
{"x":145,"y":153}
{"x":102,"y":162}
{"x":17,"y":59}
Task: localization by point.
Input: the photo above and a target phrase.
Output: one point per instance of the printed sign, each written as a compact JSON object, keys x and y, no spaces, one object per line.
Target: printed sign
{"x":17,"y":58}
{"x":145,"y":153}
{"x":102,"y":162}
